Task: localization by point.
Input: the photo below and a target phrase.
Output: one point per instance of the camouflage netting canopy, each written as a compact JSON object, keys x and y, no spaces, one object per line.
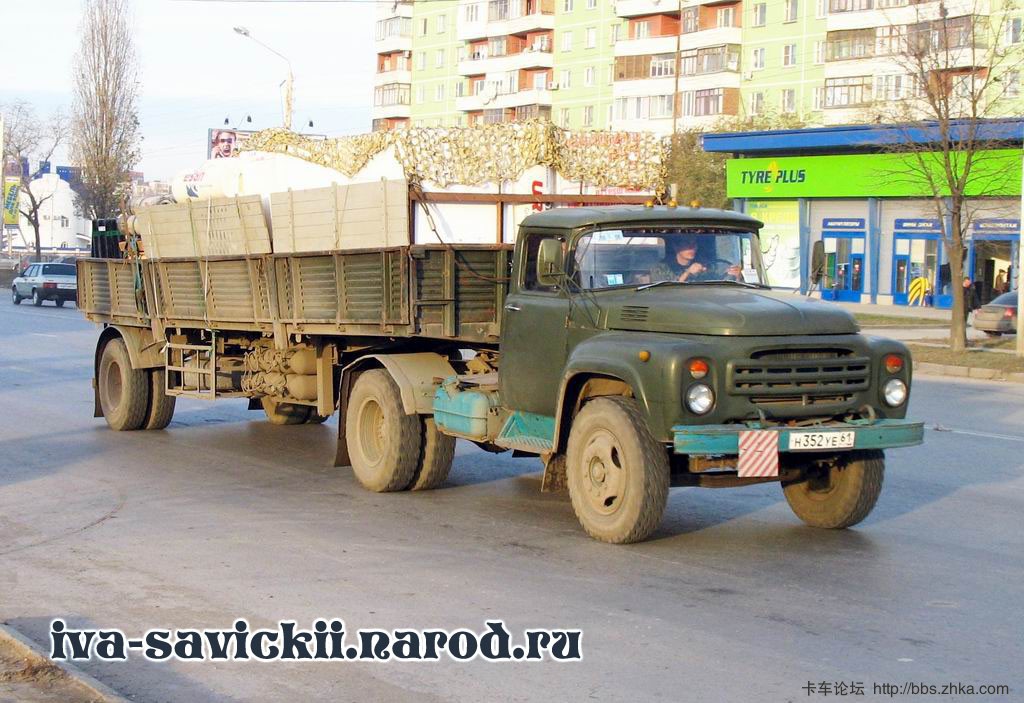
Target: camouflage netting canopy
{"x":491,"y":153}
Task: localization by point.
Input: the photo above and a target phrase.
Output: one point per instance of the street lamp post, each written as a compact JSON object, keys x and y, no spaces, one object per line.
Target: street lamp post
{"x":289,"y":82}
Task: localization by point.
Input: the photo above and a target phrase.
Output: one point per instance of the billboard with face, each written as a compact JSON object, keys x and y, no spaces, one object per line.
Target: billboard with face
{"x":223,"y":143}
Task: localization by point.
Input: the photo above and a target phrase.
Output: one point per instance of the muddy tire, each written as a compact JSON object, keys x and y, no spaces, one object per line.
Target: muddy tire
{"x":436,"y":456}
{"x":123,"y":391}
{"x":279,"y":413}
{"x":841,"y":496}
{"x":618,"y":474}
{"x":161,"y":405}
{"x":383,"y":442}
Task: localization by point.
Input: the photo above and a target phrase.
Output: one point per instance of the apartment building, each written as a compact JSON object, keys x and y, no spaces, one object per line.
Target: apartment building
{"x":656,"y":65}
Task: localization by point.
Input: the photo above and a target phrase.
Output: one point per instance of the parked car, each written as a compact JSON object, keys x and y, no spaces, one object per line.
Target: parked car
{"x":999,"y":316}
{"x":40,"y":281}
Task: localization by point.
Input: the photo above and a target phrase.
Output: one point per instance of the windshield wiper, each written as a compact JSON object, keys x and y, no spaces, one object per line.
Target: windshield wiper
{"x":745,"y":284}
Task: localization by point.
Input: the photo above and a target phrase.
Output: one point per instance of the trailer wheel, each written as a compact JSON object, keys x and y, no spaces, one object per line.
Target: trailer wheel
{"x":618,"y":474}
{"x":124,"y":391}
{"x":280,"y":413}
{"x":161,"y":405}
{"x":438,"y":452}
{"x":839,"y":496}
{"x":383,"y":442}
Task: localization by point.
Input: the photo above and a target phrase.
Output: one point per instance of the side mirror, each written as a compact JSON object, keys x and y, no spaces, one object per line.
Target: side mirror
{"x":817,"y":262}
{"x":549,"y":262}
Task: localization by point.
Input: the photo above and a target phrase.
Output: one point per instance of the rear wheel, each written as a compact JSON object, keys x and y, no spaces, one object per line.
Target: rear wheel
{"x":839,"y":496}
{"x":124,"y":391}
{"x":59,"y":302}
{"x":15,"y":298}
{"x":438,"y":452}
{"x":383,"y":442}
{"x":161,"y":405}
{"x":37,"y":299}
{"x":618,"y":474}
{"x":281,"y":413}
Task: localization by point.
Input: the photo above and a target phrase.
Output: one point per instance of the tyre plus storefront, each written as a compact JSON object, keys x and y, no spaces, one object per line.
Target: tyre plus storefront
{"x":882,"y":233}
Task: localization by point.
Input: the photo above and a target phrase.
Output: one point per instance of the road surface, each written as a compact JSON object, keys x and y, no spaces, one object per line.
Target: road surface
{"x":224,"y":516}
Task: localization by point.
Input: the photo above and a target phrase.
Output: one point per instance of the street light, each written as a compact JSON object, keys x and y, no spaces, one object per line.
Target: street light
{"x":289,"y":82}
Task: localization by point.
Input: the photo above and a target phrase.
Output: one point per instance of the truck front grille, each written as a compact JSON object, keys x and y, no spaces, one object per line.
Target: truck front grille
{"x":804,"y":376}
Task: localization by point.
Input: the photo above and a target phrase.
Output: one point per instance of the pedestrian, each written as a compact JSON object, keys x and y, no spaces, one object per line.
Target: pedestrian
{"x":1000,"y":286}
{"x":971,"y":300}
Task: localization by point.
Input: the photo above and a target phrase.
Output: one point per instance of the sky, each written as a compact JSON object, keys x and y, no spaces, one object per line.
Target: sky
{"x":196,"y":71}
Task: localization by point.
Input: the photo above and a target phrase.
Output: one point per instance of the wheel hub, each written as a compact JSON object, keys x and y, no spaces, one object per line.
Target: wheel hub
{"x":604,"y":479}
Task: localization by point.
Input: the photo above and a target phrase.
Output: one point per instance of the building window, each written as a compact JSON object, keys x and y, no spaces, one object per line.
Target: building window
{"x":724,"y":17}
{"x":439,"y":92}
{"x":391,"y":94}
{"x":789,"y":101}
{"x":848,"y":92}
{"x":792,"y":10}
{"x":442,"y":24}
{"x":588,"y":116}
{"x":757,"y":59}
{"x":588,"y":76}
{"x":439,"y":58}
{"x":591,"y":37}
{"x":836,"y":6}
{"x":460,"y":89}
{"x":394,"y":27}
{"x":690,"y":20}
{"x":423,"y":27}
{"x":564,"y":117}
{"x":819,"y":52}
{"x":708,"y":102}
{"x":1011,"y":83}
{"x":565,"y":79}
{"x":819,"y":97}
{"x":472,"y":12}
{"x":642,"y":30}
{"x":663,"y":65}
{"x":821,"y":9}
{"x":760,"y":18}
{"x":789,"y":55}
{"x":497,"y":46}
{"x":421,"y":94}
{"x":567,"y":41}
{"x":616,"y":28}
{"x":661,"y":106}
{"x":421,"y":61}
{"x":1013,"y":30}
{"x":890,"y":87}
{"x":566,"y":5}
{"x":756,"y":103}
{"x":591,"y":4}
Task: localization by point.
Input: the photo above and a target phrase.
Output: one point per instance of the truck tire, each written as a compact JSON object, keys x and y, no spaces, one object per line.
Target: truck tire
{"x":123,"y":391}
{"x":161,"y":405}
{"x":843,"y":496}
{"x":383,"y":442}
{"x":438,"y":452}
{"x":618,"y":474}
{"x":279,"y":413}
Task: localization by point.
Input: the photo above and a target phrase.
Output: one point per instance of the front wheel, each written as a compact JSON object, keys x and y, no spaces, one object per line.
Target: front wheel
{"x":839,"y":496}
{"x":15,"y":298}
{"x":383,"y":441}
{"x":618,"y":474}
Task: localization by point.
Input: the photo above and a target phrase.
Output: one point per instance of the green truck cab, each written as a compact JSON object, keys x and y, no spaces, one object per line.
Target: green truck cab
{"x":640,"y":345}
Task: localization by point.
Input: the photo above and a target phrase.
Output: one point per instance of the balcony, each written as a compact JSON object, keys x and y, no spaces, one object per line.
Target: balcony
{"x":393,"y":76}
{"x":880,"y":13}
{"x":382,"y":112}
{"x":641,"y":8}
{"x":510,"y":62}
{"x":519,"y":16}
{"x":493,"y":101}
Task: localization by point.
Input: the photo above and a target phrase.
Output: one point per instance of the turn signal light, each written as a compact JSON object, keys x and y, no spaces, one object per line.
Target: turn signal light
{"x":49,"y":285}
{"x":698,"y":368}
{"x":893,"y":363}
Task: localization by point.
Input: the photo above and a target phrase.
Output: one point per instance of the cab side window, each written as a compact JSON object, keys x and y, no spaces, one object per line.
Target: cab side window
{"x":530,"y":274}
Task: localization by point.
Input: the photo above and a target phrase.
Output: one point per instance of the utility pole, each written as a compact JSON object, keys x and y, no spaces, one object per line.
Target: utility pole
{"x":679,"y":61}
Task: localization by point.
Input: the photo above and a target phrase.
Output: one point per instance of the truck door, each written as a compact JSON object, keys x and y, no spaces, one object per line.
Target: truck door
{"x":533,"y":335}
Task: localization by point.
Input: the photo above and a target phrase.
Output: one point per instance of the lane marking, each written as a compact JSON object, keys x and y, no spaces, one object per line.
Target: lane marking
{"x":973,"y":433}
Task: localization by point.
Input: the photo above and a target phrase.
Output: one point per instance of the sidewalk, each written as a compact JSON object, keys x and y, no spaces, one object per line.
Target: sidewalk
{"x":897,"y":310}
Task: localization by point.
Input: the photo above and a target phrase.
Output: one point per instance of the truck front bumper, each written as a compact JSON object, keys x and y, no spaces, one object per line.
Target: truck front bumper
{"x":724,"y":439}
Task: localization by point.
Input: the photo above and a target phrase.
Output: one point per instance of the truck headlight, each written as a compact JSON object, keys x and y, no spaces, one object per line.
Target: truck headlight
{"x":700,"y":398}
{"x":895,"y":392}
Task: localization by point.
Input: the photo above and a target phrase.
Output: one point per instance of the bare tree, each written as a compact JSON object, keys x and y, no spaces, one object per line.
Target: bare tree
{"x":958,"y":72}
{"x":29,"y":139}
{"x":105,"y":134}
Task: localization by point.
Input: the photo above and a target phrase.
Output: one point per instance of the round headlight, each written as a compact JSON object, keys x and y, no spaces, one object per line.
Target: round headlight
{"x":700,"y":398}
{"x":895,"y":392}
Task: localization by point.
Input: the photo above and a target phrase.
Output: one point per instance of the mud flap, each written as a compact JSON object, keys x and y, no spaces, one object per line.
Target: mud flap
{"x":341,"y":457}
{"x":97,"y":409}
{"x":555,"y":479}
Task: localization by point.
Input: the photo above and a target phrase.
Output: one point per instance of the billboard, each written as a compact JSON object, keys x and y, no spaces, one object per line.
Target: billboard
{"x":223,"y":142}
{"x":780,"y":240}
{"x":11,"y":184}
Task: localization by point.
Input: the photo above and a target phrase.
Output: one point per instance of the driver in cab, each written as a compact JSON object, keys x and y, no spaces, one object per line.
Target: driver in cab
{"x":681,"y":264}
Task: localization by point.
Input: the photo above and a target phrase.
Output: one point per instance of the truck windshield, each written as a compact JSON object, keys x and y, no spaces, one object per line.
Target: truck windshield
{"x":642,"y":256}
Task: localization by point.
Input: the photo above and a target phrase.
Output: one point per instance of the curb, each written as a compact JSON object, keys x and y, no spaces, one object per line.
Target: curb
{"x":28,"y":650}
{"x":930,"y":369}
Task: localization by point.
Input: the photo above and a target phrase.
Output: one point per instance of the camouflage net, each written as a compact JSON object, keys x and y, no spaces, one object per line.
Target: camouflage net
{"x":487,"y":153}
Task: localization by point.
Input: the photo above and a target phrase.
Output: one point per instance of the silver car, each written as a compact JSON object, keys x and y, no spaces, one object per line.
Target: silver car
{"x":39,"y":282}
{"x":999,"y":316}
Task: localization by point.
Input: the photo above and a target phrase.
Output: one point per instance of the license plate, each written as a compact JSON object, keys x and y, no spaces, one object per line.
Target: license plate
{"x":817,"y":441}
{"x":66,"y":286}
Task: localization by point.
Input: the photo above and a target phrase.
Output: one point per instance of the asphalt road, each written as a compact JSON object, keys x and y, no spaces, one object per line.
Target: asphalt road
{"x":223,"y":515}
